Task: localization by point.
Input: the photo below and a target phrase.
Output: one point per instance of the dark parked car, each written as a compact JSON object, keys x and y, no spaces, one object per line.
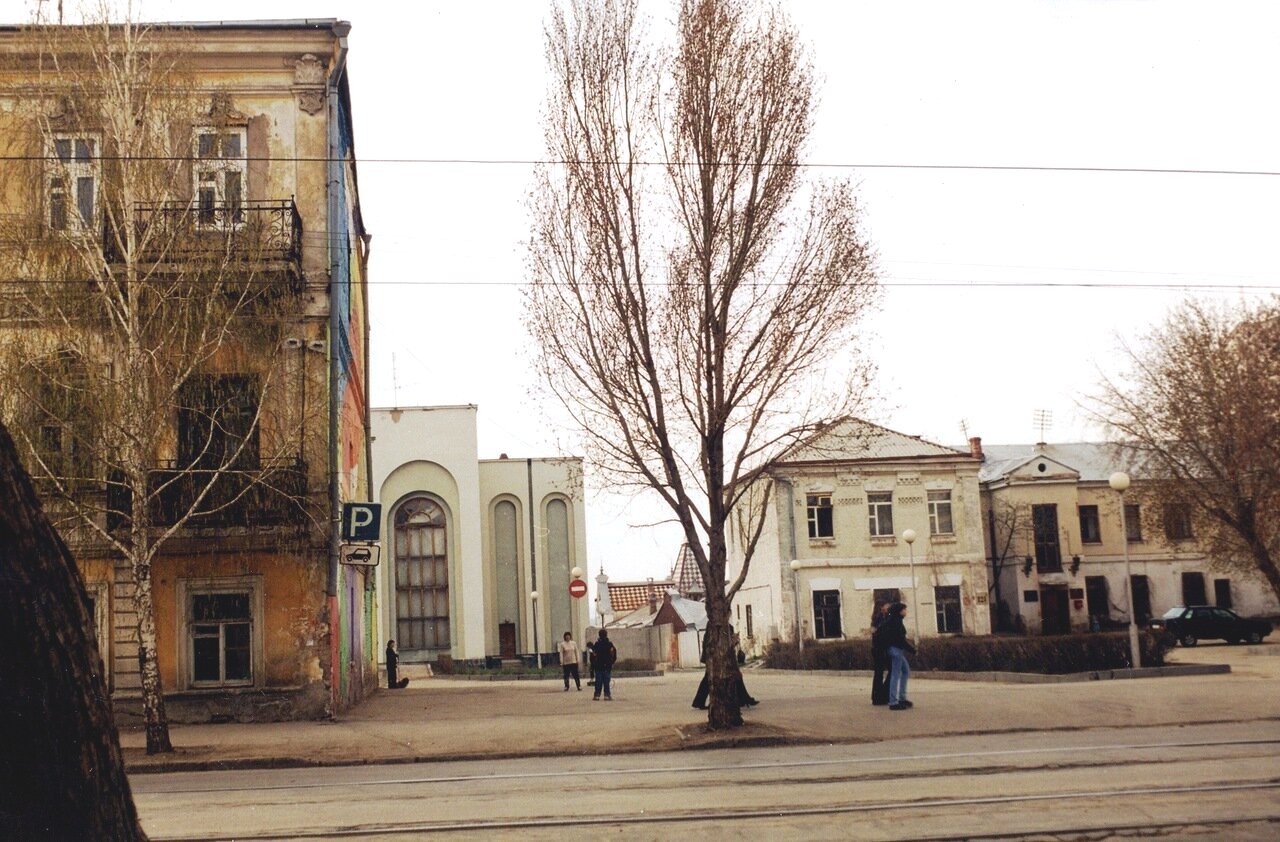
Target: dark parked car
{"x":1189,"y":624}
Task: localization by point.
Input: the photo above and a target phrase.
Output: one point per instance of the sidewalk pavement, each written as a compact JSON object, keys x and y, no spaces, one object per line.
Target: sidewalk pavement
{"x":434,"y":720}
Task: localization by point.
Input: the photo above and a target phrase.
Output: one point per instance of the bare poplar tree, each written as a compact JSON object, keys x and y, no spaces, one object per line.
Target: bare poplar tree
{"x":134,"y":294}
{"x":1198,"y":412}
{"x":694,"y":298}
{"x":61,"y":772}
{"x":1005,"y":523}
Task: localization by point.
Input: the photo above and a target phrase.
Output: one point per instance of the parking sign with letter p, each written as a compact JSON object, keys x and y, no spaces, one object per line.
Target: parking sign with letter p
{"x":361,"y":521}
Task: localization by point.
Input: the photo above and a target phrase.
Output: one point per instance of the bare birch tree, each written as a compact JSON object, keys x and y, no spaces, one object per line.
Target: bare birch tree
{"x":693,"y":296}
{"x":142,"y":324}
{"x":1198,"y":413}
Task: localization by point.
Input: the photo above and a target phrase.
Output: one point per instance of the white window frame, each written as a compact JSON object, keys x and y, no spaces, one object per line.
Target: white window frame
{"x":70,"y":171}
{"x":813,"y":504}
{"x":189,"y":588}
{"x":935,"y":512}
{"x":210,"y":172}
{"x":939,"y":613}
{"x":873,"y":513}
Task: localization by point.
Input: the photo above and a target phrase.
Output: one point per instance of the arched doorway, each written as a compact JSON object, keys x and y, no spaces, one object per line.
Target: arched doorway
{"x":422,"y":577}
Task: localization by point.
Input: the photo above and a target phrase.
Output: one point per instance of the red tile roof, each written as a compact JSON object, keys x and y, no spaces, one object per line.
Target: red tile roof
{"x":625,"y":597}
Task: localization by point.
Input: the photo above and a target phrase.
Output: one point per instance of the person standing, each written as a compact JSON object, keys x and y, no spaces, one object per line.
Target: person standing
{"x":879,"y":655}
{"x":893,"y":636}
{"x":569,"y":660}
{"x":604,"y":655}
{"x":393,"y":658}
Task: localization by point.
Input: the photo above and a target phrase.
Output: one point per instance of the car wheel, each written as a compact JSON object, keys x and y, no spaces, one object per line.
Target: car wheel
{"x":1254,"y":637}
{"x":1188,"y":640}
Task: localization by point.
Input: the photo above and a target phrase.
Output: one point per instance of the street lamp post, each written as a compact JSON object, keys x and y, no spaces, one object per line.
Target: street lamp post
{"x":1120,"y":482}
{"x":909,"y":535}
{"x":795,"y":592}
{"x":536,"y":650}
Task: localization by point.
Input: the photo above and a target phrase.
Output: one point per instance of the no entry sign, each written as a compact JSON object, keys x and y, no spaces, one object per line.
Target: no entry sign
{"x":577,"y":589}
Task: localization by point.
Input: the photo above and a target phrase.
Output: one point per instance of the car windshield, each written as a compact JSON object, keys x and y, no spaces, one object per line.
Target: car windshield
{"x":1172,"y":612}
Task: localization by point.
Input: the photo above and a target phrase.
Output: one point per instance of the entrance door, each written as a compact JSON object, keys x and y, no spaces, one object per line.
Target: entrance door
{"x":1222,"y":593}
{"x":507,"y":640}
{"x":1055,"y":616}
{"x":1140,"y":588}
{"x":1096,"y":596}
{"x":1193,"y":592}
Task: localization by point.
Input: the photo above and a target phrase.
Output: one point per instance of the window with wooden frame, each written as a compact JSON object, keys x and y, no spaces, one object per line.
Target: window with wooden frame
{"x":72,"y":182}
{"x":219,"y":172}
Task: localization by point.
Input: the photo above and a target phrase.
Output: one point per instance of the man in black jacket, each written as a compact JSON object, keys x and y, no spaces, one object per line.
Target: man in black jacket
{"x":893,"y":637}
{"x":603,"y":657}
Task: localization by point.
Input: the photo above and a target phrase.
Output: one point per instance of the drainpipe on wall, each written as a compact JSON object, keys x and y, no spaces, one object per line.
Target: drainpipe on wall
{"x":340,"y":30}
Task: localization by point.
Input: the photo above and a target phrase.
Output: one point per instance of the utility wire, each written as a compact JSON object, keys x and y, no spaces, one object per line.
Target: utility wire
{"x":607,"y":162}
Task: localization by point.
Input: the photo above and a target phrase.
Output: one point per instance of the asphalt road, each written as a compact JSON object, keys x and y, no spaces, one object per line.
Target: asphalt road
{"x":1203,"y":781}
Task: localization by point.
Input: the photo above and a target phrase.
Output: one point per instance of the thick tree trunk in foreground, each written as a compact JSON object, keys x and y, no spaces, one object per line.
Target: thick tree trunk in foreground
{"x":61,"y":769}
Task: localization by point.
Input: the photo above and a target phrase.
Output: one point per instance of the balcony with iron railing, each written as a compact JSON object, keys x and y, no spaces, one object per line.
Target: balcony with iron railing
{"x":271,"y":494}
{"x":262,"y":237}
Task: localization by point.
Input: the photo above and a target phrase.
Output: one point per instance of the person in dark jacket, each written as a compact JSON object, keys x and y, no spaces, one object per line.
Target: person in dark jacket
{"x":893,"y":636}
{"x":603,"y":657}
{"x":879,"y":655}
{"x":393,"y":658}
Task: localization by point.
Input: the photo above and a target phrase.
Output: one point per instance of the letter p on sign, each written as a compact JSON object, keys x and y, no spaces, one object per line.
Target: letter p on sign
{"x":361,"y":521}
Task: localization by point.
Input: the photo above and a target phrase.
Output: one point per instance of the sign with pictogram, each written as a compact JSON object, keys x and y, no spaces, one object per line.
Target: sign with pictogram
{"x":577,"y":589}
{"x":360,"y":555}
{"x":361,"y":521}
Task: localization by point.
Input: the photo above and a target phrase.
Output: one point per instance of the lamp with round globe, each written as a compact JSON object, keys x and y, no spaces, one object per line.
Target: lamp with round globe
{"x":1119,"y":483}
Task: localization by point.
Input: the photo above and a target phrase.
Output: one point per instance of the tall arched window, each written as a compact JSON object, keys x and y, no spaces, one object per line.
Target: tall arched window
{"x":558,"y":557}
{"x":422,"y":576}
{"x":506,"y":560}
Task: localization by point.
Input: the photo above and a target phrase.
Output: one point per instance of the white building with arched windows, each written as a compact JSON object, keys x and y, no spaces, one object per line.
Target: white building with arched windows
{"x":467,"y":542}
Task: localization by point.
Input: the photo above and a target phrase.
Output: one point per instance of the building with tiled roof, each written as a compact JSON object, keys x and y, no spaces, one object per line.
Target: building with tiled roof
{"x":686,"y":575}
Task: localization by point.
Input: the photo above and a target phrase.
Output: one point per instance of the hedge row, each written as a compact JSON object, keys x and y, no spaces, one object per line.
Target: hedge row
{"x":1054,"y":654}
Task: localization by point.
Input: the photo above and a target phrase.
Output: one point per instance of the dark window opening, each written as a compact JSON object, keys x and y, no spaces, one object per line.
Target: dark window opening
{"x":1140,"y":591}
{"x":1193,"y":592}
{"x":826,"y":615}
{"x":1133,"y":523}
{"x":1222,"y":593}
{"x":1177,"y":521}
{"x":1090,"y":527}
{"x":947,"y":608}
{"x":821,"y":516}
{"x":1044,"y":523}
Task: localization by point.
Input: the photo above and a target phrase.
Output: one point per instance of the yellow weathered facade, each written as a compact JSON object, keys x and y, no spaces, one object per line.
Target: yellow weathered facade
{"x":255,"y":617}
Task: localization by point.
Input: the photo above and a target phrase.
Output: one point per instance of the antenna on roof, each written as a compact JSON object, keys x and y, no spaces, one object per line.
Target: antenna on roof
{"x":964,"y":428}
{"x":1043,"y":419}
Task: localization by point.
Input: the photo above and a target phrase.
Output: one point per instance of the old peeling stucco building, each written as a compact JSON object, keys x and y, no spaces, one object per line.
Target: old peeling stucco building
{"x":254,"y":616}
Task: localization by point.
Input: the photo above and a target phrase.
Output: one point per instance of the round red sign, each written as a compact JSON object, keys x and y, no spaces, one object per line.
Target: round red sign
{"x":577,"y":589}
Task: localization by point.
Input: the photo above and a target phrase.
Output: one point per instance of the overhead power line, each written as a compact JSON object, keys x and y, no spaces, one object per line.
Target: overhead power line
{"x":595,"y":162}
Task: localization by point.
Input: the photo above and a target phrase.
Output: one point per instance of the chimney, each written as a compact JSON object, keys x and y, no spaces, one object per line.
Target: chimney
{"x":653,"y":601}
{"x":975,"y":447}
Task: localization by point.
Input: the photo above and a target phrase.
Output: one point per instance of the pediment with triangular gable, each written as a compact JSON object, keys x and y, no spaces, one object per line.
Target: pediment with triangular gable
{"x":856,"y":440}
{"x":1042,"y":468}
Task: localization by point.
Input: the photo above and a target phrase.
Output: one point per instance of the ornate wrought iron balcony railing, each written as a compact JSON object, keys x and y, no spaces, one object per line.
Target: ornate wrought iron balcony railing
{"x":261,"y":235}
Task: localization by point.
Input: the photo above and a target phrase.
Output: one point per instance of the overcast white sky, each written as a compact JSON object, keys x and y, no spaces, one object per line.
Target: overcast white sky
{"x":1070,"y":83}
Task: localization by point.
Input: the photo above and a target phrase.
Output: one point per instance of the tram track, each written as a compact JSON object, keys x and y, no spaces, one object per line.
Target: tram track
{"x":737,"y":815}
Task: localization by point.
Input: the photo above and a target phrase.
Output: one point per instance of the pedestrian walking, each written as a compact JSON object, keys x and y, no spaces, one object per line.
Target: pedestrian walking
{"x":393,"y":658}
{"x":879,"y":655}
{"x":569,"y":660}
{"x":603,"y":657}
{"x":893,"y":635}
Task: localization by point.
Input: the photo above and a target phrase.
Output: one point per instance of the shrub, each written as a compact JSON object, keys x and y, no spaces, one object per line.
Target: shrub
{"x":1051,"y":654}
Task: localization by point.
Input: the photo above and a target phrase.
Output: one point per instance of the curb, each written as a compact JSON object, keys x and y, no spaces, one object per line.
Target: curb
{"x":996,"y":676}
{"x":536,"y":677}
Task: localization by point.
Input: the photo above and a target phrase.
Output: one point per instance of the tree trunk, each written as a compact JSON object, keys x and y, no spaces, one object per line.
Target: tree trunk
{"x":61,"y":769}
{"x":724,"y":709}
